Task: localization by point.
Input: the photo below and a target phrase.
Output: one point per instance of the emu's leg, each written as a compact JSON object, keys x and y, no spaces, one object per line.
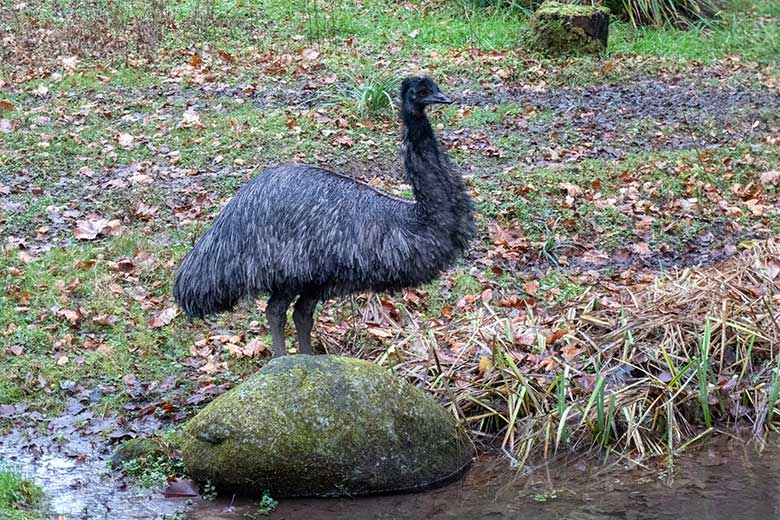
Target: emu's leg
{"x":303,"y":316}
{"x":276,"y":312}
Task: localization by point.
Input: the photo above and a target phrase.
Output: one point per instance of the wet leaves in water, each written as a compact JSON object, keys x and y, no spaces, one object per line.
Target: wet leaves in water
{"x":180,"y":488}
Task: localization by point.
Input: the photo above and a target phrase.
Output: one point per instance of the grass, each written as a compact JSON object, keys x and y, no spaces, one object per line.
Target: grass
{"x":19,"y":497}
{"x":374,"y":95}
{"x":659,"y":13}
{"x":646,"y":384}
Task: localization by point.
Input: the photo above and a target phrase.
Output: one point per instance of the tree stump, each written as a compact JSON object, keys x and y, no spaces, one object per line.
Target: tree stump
{"x":557,"y":28}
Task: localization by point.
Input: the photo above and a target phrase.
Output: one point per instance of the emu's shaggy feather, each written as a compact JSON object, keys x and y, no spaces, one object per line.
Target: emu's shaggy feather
{"x":302,"y":230}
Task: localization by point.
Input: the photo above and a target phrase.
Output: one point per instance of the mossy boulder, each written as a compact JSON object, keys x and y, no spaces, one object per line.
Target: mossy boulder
{"x":324,"y":426}
{"x":560,"y":29}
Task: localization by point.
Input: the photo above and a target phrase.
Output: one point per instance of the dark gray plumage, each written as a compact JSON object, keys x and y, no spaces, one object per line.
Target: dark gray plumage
{"x":302,"y":231}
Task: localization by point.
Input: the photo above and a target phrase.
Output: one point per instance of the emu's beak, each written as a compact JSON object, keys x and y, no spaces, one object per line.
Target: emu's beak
{"x":437,"y":99}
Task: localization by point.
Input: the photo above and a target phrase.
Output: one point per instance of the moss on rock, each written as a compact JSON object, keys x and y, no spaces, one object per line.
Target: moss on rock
{"x":134,"y":449}
{"x":560,"y":28}
{"x":324,"y":426}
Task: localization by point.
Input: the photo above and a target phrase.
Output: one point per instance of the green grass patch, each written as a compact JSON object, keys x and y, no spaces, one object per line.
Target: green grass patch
{"x":74,"y":318}
{"x":19,"y":498}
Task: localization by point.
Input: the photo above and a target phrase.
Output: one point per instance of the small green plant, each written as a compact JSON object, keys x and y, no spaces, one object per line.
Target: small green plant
{"x":374,"y":95}
{"x":209,"y":491}
{"x":774,"y":391}
{"x":553,"y":244}
{"x":544,"y":496}
{"x":153,"y":470}
{"x":703,"y":372}
{"x":265,"y":507}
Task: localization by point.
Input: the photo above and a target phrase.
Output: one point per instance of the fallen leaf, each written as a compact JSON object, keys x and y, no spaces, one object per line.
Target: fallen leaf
{"x":771,"y":177}
{"x":773,"y":269}
{"x":6,"y":126}
{"x":180,"y":487}
{"x":163,"y":317}
{"x":641,"y":248}
{"x":556,"y":335}
{"x":485,"y":365}
{"x":309,"y":54}
{"x":70,"y":62}
{"x":570,"y":351}
{"x":229,"y":58}
{"x":125,"y":140}
{"x":344,"y":141}
{"x":254,"y":348}
{"x":380,"y":333}
{"x":594,"y":256}
{"x":572,"y":189}
{"x":90,"y":229}
{"x":190,"y":119}
{"x":105,"y":319}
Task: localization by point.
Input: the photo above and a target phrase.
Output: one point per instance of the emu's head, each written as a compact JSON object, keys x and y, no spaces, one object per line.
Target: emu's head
{"x":417,"y":93}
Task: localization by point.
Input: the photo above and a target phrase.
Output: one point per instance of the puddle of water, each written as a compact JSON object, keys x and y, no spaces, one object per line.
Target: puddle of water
{"x":77,"y":482}
{"x":726,"y":480}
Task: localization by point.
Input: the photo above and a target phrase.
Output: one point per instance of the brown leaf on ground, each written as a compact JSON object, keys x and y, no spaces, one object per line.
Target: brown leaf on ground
{"x":90,"y":229}
{"x":226,"y":57}
{"x":556,"y":335}
{"x":180,"y":487}
{"x":163,"y":318}
{"x":641,"y":248}
{"x":594,"y":256}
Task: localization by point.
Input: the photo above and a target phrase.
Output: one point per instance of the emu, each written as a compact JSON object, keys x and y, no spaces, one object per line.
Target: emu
{"x":306,"y":232}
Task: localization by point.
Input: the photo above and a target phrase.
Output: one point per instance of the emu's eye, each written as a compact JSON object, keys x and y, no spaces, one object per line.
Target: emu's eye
{"x":423,"y":92}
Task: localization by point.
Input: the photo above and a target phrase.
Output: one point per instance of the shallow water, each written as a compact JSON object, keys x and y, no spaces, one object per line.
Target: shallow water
{"x":74,"y":474}
{"x":726,"y":479}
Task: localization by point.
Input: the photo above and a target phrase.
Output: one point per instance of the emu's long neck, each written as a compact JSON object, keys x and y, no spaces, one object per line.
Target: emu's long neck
{"x":439,"y":191}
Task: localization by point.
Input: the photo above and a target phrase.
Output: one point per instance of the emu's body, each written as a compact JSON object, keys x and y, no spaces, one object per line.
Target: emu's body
{"x":303,"y":231}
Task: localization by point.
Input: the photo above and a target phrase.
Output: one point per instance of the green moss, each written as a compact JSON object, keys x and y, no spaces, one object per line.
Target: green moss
{"x":323,"y":425}
{"x":134,"y":449}
{"x":553,"y":29}
{"x":561,"y":9}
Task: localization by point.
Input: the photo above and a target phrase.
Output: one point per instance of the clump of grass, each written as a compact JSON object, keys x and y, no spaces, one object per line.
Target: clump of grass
{"x":553,"y":244}
{"x":150,"y":462}
{"x":678,"y":13}
{"x":639,"y":380}
{"x":18,"y":497}
{"x":373,"y":95}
